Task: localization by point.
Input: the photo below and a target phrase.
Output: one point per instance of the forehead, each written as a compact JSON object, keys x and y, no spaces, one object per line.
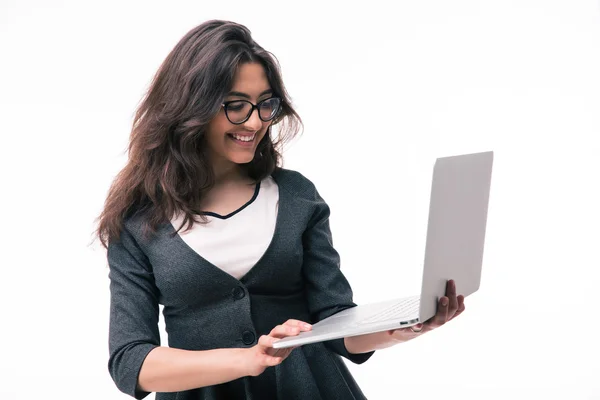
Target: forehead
{"x":250,"y":78}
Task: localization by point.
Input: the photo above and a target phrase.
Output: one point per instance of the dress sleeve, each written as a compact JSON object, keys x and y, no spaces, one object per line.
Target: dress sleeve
{"x":327,"y":289}
{"x":133,"y":330}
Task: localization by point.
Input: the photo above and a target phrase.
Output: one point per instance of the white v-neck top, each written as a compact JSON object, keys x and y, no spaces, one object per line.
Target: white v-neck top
{"x":236,"y":242}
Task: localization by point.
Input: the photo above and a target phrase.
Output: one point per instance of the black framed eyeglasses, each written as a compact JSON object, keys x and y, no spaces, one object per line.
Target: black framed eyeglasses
{"x":239,"y":111}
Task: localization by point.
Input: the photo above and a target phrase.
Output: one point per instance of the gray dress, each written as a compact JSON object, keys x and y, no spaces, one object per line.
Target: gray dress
{"x":206,"y":308}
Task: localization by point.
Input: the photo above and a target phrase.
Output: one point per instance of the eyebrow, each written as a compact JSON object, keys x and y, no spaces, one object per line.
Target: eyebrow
{"x":240,"y":94}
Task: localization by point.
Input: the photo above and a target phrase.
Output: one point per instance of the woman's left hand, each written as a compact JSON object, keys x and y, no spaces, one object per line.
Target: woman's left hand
{"x":449,"y":306}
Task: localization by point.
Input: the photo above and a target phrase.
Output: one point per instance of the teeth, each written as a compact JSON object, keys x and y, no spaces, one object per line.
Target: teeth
{"x":244,"y":138}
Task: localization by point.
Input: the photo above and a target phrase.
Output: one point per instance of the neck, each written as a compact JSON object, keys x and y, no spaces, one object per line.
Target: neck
{"x":227,"y":172}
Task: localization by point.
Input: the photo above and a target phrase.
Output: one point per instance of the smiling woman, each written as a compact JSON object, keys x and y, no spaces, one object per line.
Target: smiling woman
{"x":205,"y":221}
{"x":182,"y":127}
{"x":233,"y":135}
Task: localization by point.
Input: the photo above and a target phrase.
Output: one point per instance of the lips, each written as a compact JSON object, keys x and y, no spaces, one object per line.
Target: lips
{"x":243,"y":137}
{"x":244,"y":140}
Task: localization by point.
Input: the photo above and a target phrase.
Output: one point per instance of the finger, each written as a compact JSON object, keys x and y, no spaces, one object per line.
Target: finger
{"x":271,"y":361}
{"x":461,"y":305}
{"x":441,"y":316}
{"x":300,"y":324}
{"x":266,"y":341}
{"x":274,"y":352}
{"x":417,"y":329}
{"x":452,"y":300}
{"x":283,"y":353}
{"x":281,"y":331}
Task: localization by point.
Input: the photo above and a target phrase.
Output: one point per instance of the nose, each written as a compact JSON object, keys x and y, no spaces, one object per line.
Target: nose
{"x":254,"y":123}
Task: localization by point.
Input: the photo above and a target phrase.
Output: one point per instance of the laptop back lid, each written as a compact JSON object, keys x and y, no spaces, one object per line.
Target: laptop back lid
{"x":456,"y":227}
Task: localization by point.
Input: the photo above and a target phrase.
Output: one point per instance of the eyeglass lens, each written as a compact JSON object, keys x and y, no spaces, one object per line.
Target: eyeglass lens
{"x":239,"y":111}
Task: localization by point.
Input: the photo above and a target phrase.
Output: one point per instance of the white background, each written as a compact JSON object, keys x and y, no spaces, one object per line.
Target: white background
{"x":384,"y":89}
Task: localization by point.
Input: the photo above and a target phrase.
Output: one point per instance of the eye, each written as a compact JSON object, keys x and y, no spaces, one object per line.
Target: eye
{"x":235,"y":106}
{"x":266,"y":106}
{"x":269,"y":104}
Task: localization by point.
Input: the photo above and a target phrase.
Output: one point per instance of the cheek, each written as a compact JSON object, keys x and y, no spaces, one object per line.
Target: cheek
{"x":264,"y":129}
{"x":217,"y":128}
{"x":222,"y":124}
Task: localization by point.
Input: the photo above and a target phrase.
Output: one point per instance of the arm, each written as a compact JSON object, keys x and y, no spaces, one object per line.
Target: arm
{"x":371,"y":342}
{"x":133,"y":327}
{"x":173,"y":370}
{"x":329,"y":292}
{"x":138,"y":364}
{"x":327,"y":289}
{"x":449,"y":306}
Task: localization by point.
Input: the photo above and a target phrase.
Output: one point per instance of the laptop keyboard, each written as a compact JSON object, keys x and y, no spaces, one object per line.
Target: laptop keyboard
{"x":407,"y":308}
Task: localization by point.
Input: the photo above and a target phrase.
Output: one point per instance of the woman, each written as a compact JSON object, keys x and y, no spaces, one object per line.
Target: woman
{"x":237,"y":249}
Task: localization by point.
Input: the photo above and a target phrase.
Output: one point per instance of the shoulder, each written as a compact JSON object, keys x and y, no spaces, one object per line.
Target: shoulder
{"x":295,"y":183}
{"x":137,"y":225}
{"x":302,"y":192}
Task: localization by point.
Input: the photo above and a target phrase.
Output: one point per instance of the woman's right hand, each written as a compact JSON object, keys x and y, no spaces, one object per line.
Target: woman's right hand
{"x":263,"y":355}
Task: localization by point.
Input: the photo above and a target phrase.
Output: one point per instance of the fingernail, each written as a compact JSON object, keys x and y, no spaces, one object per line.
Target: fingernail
{"x":307,"y":326}
{"x":445,"y":302}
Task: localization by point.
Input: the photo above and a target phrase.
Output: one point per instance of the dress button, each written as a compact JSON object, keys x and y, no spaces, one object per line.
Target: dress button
{"x":238,"y":293}
{"x":248,"y":337}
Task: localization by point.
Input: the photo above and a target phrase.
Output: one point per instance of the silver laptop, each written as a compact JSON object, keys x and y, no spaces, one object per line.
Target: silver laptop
{"x":454,"y":250}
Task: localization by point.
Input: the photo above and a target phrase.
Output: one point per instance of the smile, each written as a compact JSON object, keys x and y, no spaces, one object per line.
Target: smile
{"x":243,"y":138}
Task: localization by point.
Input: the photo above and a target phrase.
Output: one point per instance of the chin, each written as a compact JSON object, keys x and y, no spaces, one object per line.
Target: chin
{"x":241,"y":159}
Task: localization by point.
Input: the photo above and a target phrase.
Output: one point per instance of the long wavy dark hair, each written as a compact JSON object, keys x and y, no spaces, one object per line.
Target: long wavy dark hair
{"x":167,"y":169}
